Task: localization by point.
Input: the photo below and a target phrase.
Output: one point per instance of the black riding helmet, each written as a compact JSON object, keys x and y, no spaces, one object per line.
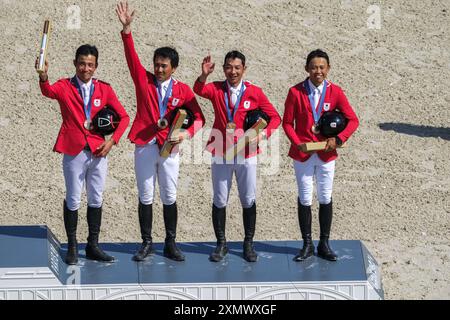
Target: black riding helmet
{"x":188,"y":121}
{"x":105,"y":121}
{"x":253,"y":116}
{"x":331,"y":123}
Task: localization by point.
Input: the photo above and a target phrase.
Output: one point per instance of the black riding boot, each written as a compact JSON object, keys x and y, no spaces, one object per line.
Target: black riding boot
{"x":218,"y":219}
{"x":325,"y":216}
{"x":145,"y":222}
{"x":70,"y":224}
{"x":93,"y":251}
{"x":171,"y":251}
{"x":304,"y":219}
{"x":249,"y":215}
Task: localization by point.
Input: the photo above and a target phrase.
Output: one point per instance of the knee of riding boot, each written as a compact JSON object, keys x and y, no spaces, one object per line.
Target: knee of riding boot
{"x":72,"y":204}
{"x":146,"y":199}
{"x":219,"y":202}
{"x":304,"y":201}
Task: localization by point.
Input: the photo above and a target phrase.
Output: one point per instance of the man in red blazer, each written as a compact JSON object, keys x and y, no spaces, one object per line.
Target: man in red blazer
{"x":232,"y":100}
{"x":80,"y":98}
{"x":303,"y":107}
{"x":158,"y":96}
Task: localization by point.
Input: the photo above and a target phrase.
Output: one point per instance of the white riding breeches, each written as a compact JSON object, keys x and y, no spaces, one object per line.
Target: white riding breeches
{"x":222,"y":177}
{"x":149,"y":166}
{"x":323,"y":172}
{"x":80,"y":168}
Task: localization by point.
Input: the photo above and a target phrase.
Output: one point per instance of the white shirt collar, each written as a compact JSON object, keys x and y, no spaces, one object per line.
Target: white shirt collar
{"x":312,"y":86}
{"x":164,"y":84}
{"x":82,"y":84}
{"x":238,"y":87}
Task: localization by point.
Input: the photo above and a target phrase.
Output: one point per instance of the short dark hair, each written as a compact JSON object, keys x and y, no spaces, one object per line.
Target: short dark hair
{"x":234,"y":55}
{"x":167,"y":52}
{"x":318,"y":53}
{"x":85,"y":50}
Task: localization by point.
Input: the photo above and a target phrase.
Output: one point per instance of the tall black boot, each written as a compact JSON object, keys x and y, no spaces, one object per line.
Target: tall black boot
{"x":325,"y":216}
{"x":70,"y":224}
{"x":218,"y":219}
{"x":145,"y":222}
{"x":171,"y":251}
{"x":93,"y":251}
{"x":249,"y":215}
{"x":304,"y":219}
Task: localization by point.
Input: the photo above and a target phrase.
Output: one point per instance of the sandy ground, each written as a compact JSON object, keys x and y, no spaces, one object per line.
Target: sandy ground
{"x":392,"y":182}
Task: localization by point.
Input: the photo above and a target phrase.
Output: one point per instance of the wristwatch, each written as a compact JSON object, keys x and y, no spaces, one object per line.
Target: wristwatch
{"x":338,"y":141}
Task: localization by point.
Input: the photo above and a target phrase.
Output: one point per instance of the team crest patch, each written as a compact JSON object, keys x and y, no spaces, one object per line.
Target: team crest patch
{"x":175,"y":102}
{"x":326,"y":106}
{"x":97,"y":102}
{"x":246,"y":104}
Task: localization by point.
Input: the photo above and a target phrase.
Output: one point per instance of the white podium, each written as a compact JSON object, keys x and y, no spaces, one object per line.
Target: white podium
{"x":32,"y":267}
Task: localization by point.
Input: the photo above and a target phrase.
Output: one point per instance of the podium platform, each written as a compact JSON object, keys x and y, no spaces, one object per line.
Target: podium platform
{"x":32,"y":267}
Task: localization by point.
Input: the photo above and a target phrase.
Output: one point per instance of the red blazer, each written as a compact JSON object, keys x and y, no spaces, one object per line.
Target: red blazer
{"x":253,"y":98}
{"x":298,"y":119}
{"x":145,"y":126}
{"x":72,"y":136}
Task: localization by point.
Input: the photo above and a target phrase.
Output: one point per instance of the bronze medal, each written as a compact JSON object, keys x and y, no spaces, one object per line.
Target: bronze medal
{"x":162,"y":123}
{"x":87,"y":124}
{"x":231,"y":125}
{"x":315,"y":129}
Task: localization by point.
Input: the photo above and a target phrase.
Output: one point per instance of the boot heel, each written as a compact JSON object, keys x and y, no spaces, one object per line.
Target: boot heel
{"x":219,"y":253}
{"x":172,"y":252}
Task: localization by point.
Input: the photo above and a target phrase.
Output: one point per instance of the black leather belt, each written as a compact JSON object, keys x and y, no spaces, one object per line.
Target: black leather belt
{"x":86,"y":147}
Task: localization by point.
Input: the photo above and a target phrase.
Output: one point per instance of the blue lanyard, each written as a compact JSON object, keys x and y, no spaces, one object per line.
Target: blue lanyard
{"x":316,"y":112}
{"x":87,"y":108}
{"x":238,"y":100}
{"x":162,"y":104}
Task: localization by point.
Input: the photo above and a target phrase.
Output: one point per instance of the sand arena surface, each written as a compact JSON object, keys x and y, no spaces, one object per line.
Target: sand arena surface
{"x":392,"y":182}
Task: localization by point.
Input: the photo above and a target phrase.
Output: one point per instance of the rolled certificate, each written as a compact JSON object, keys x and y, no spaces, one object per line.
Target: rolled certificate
{"x":44,"y":45}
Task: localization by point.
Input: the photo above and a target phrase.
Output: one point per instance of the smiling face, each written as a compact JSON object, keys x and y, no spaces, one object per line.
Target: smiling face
{"x":318,"y":69}
{"x":85,"y":66}
{"x":234,"y":71}
{"x":163,"y":68}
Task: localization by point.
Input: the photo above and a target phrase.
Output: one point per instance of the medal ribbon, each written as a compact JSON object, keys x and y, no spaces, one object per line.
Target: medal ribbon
{"x":162,"y":104}
{"x":316,"y":111}
{"x":87,"y":108}
{"x":227,"y":97}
